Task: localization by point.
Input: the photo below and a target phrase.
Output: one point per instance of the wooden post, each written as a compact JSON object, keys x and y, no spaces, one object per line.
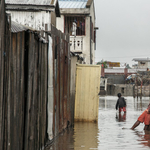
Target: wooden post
{"x":141,"y":89}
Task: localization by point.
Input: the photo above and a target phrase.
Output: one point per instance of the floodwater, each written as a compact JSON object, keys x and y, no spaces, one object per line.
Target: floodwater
{"x":111,"y":132}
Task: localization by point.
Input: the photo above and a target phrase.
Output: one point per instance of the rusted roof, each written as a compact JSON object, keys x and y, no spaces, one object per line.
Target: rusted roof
{"x":72,"y":3}
{"x":29,"y":2}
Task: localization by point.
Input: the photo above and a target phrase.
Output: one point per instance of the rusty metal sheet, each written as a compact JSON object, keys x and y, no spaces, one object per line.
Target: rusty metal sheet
{"x":61,"y":81}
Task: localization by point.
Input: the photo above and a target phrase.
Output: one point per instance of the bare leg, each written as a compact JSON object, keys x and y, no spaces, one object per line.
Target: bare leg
{"x":135,"y":124}
{"x":146,"y":127}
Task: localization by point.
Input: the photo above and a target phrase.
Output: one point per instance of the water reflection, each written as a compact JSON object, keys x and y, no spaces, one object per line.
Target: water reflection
{"x":86,"y":136}
{"x":144,"y":137}
{"x":121,"y":117}
{"x":64,"y":141}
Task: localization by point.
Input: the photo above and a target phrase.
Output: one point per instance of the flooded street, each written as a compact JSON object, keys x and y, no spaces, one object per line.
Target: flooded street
{"x":112,"y":132}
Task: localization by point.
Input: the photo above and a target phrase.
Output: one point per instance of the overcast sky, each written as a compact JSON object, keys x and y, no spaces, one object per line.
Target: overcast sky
{"x":124,"y":30}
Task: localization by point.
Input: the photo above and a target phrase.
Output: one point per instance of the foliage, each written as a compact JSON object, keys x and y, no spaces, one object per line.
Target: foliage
{"x":127,"y":66}
{"x":104,"y":63}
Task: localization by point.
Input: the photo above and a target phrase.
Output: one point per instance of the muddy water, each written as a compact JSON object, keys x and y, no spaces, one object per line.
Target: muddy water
{"x":112,"y":132}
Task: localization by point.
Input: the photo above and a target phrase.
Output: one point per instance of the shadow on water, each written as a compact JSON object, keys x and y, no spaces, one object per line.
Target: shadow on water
{"x":112,"y":131}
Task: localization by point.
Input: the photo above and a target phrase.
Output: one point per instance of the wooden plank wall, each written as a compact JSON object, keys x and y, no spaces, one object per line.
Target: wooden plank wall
{"x":23,"y":97}
{"x":36,"y":101}
{"x":2,"y":47}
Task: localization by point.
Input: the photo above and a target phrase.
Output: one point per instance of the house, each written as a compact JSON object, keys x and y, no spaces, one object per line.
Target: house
{"x":143,"y":63}
{"x":78,"y":19}
{"x":39,"y":14}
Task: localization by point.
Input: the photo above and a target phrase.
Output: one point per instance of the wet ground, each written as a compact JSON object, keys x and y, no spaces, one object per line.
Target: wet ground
{"x":112,"y":132}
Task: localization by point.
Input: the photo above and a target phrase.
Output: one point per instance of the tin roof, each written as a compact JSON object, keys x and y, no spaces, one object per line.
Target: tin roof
{"x":46,"y":4}
{"x":142,"y":59}
{"x":72,"y":3}
{"x":15,"y":27}
{"x":29,"y":2}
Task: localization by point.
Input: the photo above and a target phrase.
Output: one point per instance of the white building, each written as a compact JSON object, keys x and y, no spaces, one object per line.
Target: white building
{"x":78,"y":19}
{"x":143,"y":63}
{"x":38,"y":14}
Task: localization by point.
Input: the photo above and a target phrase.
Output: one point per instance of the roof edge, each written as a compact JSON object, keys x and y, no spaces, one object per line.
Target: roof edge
{"x":88,"y":4}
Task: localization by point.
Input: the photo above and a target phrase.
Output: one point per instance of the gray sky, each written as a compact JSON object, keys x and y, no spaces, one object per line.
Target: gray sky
{"x":124,"y":30}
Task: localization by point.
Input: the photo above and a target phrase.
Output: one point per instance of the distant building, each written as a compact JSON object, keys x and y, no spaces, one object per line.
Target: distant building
{"x":78,"y":20}
{"x":143,"y":63}
{"x":39,"y":14}
{"x":135,"y":66}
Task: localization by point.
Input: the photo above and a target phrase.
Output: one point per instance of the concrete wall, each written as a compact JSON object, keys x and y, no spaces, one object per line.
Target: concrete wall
{"x":115,"y":79}
{"x":142,"y":66}
{"x":60,"y":23}
{"x":144,"y":91}
{"x":87,"y":42}
{"x":92,"y":14}
{"x":86,"y":38}
{"x":53,"y":18}
{"x":118,"y":75}
{"x":124,"y":89}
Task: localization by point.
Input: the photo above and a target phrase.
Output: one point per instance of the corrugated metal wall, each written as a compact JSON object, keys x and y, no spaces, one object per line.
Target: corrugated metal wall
{"x":36,"y":20}
{"x":87,"y":89}
{"x":61,"y":81}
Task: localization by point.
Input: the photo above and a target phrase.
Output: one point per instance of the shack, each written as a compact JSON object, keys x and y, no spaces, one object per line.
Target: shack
{"x":35,"y":99}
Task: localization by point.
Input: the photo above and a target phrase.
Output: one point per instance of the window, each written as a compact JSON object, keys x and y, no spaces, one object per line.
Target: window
{"x":73,"y":23}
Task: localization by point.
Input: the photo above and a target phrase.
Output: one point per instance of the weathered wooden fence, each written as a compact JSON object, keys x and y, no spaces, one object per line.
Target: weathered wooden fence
{"x":24,"y":94}
{"x":2,"y":47}
{"x":24,"y":86}
{"x":61,"y":69}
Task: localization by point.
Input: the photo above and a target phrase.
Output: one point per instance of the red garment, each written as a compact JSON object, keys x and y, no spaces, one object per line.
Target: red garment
{"x":145,"y":117}
{"x":122,"y":109}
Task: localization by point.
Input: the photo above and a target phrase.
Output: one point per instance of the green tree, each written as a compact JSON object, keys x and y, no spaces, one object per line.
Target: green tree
{"x":127,"y":66}
{"x":103,"y":62}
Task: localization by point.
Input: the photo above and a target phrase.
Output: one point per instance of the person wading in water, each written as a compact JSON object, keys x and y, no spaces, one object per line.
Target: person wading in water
{"x":144,"y":117}
{"x":121,"y":103}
